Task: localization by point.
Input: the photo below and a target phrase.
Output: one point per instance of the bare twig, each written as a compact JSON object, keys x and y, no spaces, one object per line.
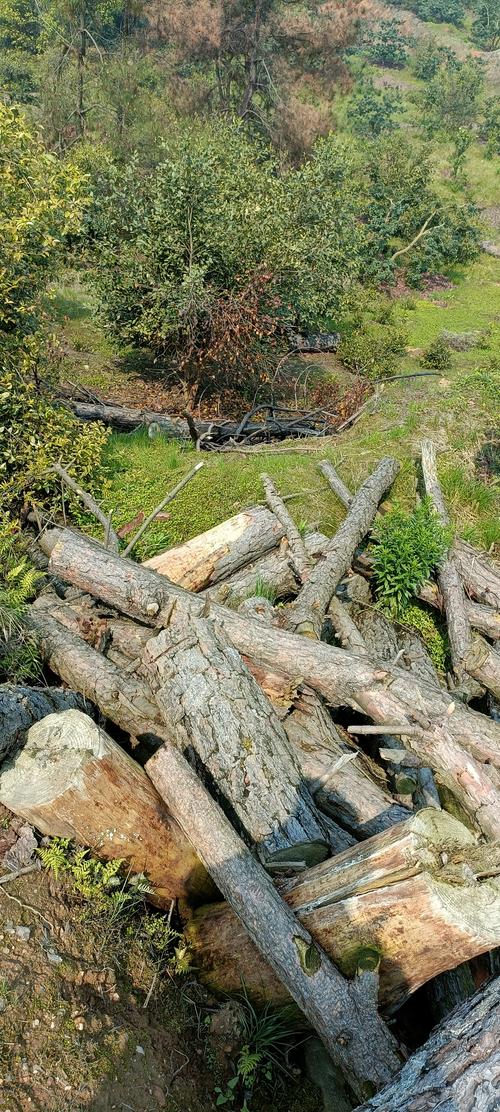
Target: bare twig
{"x":90,"y":503}
{"x":169,"y":497}
{"x":299,"y":556}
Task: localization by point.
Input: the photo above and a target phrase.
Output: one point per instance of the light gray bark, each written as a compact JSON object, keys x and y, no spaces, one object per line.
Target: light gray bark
{"x":297,"y":549}
{"x":344,"y":1015}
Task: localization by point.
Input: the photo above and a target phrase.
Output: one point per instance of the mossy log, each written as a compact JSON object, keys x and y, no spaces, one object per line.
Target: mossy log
{"x":418,"y":898}
{"x":71,"y":779}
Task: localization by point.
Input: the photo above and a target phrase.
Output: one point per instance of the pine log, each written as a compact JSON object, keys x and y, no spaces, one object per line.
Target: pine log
{"x":457,"y":1069}
{"x":71,"y":779}
{"x":344,"y":1015}
{"x":220,"y":551}
{"x":383,"y":694}
{"x":479,"y":660}
{"x":126,"y":419}
{"x":479,"y":572}
{"x":298,"y":553}
{"x":21,"y":707}
{"x":273,"y":572}
{"x":306,"y":614}
{"x":214,"y":708}
{"x":416,"y":897}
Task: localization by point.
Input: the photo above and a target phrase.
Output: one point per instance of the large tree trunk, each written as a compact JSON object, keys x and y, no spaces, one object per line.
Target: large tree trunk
{"x":126,"y":419}
{"x":384,"y":694}
{"x":71,"y":779}
{"x":345,"y":1016}
{"x":221,"y":551}
{"x":306,"y":614}
{"x":417,"y":896}
{"x":457,"y":1069}
{"x":214,"y":708}
{"x":21,"y":706}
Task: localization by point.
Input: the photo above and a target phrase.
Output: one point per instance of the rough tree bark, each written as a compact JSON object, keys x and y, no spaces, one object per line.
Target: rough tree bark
{"x":214,"y":708}
{"x":344,"y":1015}
{"x":418,"y":897}
{"x":297,"y":549}
{"x":479,"y":572}
{"x":479,"y":660}
{"x":384,"y":694}
{"x":71,"y":779}
{"x":21,"y":707}
{"x":274,"y":572}
{"x":307,"y":613}
{"x":457,"y":1069}
{"x":220,"y":551}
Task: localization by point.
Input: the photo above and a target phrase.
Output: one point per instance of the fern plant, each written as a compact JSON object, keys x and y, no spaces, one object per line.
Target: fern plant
{"x":19,"y":657}
{"x":267,"y":1036}
{"x":408,"y":548}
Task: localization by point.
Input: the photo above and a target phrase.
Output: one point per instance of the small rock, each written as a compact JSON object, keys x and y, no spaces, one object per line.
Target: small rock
{"x":23,"y":933}
{"x":140,"y":1050}
{"x":56,"y":959}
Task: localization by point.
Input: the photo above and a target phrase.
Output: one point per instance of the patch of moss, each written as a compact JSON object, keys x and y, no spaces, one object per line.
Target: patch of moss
{"x":419,"y":619}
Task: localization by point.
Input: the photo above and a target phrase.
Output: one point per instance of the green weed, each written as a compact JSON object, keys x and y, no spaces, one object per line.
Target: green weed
{"x":408,"y":548}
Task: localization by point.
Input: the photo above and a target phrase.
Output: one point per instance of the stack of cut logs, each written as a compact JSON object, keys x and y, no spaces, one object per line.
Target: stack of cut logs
{"x":324,"y":810}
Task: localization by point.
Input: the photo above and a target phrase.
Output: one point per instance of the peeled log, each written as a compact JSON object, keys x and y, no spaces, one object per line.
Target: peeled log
{"x":391,"y":894}
{"x":457,"y":1069}
{"x":220,"y":551}
{"x":71,"y":779}
{"x":384,"y":694}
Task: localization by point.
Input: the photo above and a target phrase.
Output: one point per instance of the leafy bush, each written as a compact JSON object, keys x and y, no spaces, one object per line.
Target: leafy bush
{"x":408,"y":548}
{"x":373,"y":111}
{"x":436,"y":11}
{"x":35,"y":434}
{"x":451,"y":98}
{"x":19,"y":657}
{"x":374,"y":349}
{"x":437,"y":355}
{"x":267,"y":1036}
{"x":384,"y":44}
{"x":429,"y":57}
{"x":486,"y":24}
{"x":202,"y":247}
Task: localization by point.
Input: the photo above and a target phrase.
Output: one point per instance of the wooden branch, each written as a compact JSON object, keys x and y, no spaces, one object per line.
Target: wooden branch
{"x":385,"y":728}
{"x":424,"y":230}
{"x":479,"y":660}
{"x":479,"y":572}
{"x":221,"y":551}
{"x":297,"y":549}
{"x":412,"y":896}
{"x":91,"y":504}
{"x":335,"y":482}
{"x":458,"y":1064}
{"x":383,"y":694}
{"x":345,"y":629}
{"x":274,"y":571}
{"x":165,"y":501}
{"x":344,"y":1015}
{"x":212,"y":706}
{"x":71,"y":779}
{"x":307,"y":613}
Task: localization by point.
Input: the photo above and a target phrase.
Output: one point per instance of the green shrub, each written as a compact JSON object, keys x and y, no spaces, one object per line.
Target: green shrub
{"x":407,"y":548}
{"x":385,"y":45}
{"x":437,"y":355}
{"x":419,"y":619}
{"x":19,"y":656}
{"x":373,"y":111}
{"x":375,"y":349}
{"x":429,"y":57}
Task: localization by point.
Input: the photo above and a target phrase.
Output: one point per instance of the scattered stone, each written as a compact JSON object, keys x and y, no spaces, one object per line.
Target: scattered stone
{"x":140,"y":1050}
{"x":56,"y":959}
{"x":21,"y":854}
{"x":3,"y":1004}
{"x":23,"y":933}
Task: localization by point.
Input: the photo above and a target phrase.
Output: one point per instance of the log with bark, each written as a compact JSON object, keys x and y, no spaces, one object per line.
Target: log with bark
{"x":21,"y":707}
{"x":419,"y":898}
{"x":384,"y":694}
{"x":69,"y":778}
{"x":344,"y":1014}
{"x":273,"y":573}
{"x":457,"y":1069}
{"x":306,"y":614}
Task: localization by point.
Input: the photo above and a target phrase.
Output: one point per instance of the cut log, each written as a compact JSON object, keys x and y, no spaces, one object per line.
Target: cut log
{"x":415,"y":896}
{"x":306,"y":614}
{"x":220,"y":551}
{"x":457,"y":1069}
{"x":71,"y":779}
{"x":126,"y":419}
{"x":273,"y":573}
{"x":297,"y":549}
{"x":479,"y":572}
{"x":214,"y":709}
{"x":344,"y":1015}
{"x":479,"y":660}
{"x":383,"y":694}
{"x":21,"y":707}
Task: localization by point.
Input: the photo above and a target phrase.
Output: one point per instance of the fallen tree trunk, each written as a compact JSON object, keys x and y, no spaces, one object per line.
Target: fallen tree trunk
{"x":71,"y":779}
{"x":126,"y":419}
{"x":306,"y":614}
{"x":344,"y":1015}
{"x":386,"y":694}
{"x":21,"y":707}
{"x":479,"y":660}
{"x":479,"y":572}
{"x":273,"y":574}
{"x":417,"y":898}
{"x":213,"y":708}
{"x":297,"y":549}
{"x":458,"y":1068}
{"x":221,"y":551}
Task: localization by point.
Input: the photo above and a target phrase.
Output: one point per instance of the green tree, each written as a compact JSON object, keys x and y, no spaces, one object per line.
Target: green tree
{"x":373,"y":111}
{"x":385,"y":45}
{"x":19,"y":44}
{"x":486,"y":24}
{"x":452,"y":98}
